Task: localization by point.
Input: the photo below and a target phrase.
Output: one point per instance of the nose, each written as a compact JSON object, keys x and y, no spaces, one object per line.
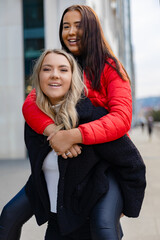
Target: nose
{"x":55,"y":74}
{"x":72,"y":30}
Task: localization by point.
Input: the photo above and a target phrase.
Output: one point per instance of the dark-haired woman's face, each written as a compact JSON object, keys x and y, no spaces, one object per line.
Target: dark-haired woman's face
{"x":71,"y":32}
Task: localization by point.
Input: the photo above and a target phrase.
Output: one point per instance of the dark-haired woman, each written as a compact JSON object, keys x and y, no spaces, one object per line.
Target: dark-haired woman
{"x":107,"y":82}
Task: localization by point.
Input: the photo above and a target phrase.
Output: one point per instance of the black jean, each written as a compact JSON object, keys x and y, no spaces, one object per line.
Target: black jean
{"x":14,"y":215}
{"x":105,"y":217}
{"x":103,"y":221}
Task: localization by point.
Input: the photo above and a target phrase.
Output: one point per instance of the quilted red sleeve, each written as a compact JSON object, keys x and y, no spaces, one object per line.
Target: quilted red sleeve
{"x":35,"y":118}
{"x":119,"y":104}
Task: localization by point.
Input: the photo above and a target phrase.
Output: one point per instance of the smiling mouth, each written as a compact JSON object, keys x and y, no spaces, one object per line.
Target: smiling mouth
{"x":55,"y":85}
{"x":73,"y":41}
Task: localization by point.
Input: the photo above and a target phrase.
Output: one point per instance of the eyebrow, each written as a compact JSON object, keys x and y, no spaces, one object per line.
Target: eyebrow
{"x":48,"y":65}
{"x":64,"y":66}
{"x":68,"y":22}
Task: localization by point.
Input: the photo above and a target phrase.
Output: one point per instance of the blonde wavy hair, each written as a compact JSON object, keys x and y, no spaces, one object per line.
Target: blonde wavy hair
{"x":66,"y":117}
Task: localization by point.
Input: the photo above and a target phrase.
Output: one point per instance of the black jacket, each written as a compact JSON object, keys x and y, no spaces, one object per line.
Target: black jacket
{"x":83,"y":180}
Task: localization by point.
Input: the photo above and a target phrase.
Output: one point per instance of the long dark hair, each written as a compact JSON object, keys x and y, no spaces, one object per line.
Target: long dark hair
{"x":95,"y":50}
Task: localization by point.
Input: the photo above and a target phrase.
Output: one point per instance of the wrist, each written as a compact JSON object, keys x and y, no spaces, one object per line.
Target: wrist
{"x":49,"y":129}
{"x":76,"y":135}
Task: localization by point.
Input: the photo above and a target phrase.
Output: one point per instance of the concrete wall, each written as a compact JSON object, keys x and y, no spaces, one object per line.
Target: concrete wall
{"x":51,"y":12}
{"x":11,"y":80}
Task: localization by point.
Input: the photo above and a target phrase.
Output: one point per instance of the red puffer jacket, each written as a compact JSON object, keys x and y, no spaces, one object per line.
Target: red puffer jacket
{"x":114,"y":95}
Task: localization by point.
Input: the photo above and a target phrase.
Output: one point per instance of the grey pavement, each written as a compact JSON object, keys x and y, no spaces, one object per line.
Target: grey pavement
{"x":14,"y":174}
{"x":147,"y":225}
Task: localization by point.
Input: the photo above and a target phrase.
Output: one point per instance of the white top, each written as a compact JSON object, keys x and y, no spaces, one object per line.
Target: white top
{"x":51,"y":173}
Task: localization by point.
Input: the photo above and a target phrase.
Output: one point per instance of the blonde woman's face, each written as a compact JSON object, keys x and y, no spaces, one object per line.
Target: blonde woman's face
{"x":55,"y":77}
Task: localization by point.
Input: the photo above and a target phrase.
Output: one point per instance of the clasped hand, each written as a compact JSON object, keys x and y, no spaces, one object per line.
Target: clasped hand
{"x":63,"y":143}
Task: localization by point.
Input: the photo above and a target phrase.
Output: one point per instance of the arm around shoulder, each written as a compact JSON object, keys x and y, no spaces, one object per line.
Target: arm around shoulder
{"x":115,"y":95}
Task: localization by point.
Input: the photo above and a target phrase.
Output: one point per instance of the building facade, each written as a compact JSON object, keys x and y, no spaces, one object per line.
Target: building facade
{"x":26,"y":28}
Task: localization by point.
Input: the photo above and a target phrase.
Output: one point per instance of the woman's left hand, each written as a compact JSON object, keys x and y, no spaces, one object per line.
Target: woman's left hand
{"x":74,"y":151}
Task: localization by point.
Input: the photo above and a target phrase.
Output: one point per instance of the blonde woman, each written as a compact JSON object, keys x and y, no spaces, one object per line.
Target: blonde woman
{"x":82,"y":197}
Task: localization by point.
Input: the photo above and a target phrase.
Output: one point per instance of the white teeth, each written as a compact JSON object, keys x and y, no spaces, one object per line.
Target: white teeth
{"x":72,"y":40}
{"x":55,"y":85}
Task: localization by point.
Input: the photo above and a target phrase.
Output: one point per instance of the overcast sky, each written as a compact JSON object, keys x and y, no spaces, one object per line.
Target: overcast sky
{"x":145,"y":20}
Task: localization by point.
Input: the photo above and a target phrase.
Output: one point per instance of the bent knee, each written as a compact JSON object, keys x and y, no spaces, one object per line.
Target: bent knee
{"x":105,"y":224}
{"x":6,"y":213}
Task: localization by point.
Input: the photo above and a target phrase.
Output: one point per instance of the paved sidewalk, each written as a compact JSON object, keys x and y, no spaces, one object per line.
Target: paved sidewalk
{"x":14,"y":174}
{"x":147,"y":226}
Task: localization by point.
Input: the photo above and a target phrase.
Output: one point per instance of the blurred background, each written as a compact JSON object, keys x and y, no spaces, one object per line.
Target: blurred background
{"x":132,"y":28}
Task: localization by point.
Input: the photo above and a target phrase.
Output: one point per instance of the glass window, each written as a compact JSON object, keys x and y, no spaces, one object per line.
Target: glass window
{"x":33,"y":13}
{"x":33,"y":25}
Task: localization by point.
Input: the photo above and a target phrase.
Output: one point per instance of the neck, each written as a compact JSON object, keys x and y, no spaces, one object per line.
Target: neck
{"x":56,"y":105}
